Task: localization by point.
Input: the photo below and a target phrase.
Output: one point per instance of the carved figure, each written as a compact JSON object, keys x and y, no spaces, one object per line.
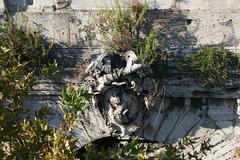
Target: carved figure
{"x":121,"y":85}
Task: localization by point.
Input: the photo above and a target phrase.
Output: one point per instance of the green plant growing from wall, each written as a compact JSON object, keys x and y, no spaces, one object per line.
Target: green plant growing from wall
{"x":122,"y":29}
{"x":214,"y":65}
{"x":52,"y":70}
{"x":177,"y":151}
{"x":23,"y":58}
{"x":35,"y":139}
{"x":119,"y":26}
{"x":74,"y":102}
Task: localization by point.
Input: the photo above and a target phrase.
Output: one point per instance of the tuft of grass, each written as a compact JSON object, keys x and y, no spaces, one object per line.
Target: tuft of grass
{"x":122,"y":29}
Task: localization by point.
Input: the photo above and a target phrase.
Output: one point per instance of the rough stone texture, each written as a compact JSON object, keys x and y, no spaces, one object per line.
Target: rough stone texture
{"x":181,"y":121}
{"x":197,"y":23}
{"x":178,"y":32}
{"x":216,"y":120}
{"x":88,"y":128}
{"x":50,"y":5}
{"x":173,"y":123}
{"x":214,"y":27}
{"x":206,"y":4}
{"x":92,"y":4}
{"x":2,"y":7}
{"x":16,"y":5}
{"x":39,"y":5}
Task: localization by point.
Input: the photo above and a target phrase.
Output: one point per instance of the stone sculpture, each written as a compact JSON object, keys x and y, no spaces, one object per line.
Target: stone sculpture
{"x":120,"y":84}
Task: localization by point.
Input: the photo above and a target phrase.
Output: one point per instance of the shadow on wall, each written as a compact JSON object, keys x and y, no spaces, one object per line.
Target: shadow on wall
{"x":17,"y":5}
{"x":181,"y":31}
{"x":175,"y":31}
{"x":170,"y":27}
{"x":177,"y":117}
{"x":65,"y":28}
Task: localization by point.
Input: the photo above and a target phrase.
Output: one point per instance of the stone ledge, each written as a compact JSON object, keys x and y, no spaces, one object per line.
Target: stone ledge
{"x":2,"y":6}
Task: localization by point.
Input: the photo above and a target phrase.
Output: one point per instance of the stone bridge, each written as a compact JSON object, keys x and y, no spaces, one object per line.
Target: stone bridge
{"x":184,"y":105}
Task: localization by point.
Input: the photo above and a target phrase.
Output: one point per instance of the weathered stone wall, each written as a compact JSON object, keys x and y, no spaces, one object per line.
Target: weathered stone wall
{"x":181,"y":27}
{"x":32,"y":5}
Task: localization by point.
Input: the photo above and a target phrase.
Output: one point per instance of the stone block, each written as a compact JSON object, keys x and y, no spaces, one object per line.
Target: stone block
{"x":217,"y":137}
{"x":169,"y":124}
{"x":77,"y":27}
{"x":62,"y":4}
{"x":226,"y":126}
{"x":154,"y":119}
{"x":53,"y":26}
{"x":93,"y":4}
{"x":101,"y":123}
{"x":206,"y":4}
{"x":90,"y":4}
{"x":43,"y":3}
{"x":184,"y":126}
{"x":211,"y":27}
{"x":2,"y":6}
{"x":203,"y":129}
{"x":92,"y":121}
{"x":151,"y":124}
{"x":14,"y":5}
{"x":81,"y":135}
{"x":221,"y":110}
{"x":224,"y":149}
{"x":162,"y":4}
{"x":237,"y":130}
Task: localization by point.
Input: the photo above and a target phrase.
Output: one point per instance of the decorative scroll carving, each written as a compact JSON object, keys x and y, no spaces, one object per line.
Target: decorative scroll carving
{"x":120,"y":84}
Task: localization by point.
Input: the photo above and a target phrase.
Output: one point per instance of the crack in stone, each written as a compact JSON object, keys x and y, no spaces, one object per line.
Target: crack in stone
{"x":174,"y":126}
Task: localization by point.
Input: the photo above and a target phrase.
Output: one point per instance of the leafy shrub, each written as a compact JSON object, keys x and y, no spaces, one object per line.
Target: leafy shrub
{"x":183,"y":149}
{"x":177,"y":151}
{"x":214,"y":65}
{"x":74,"y":102}
{"x":20,"y":53}
{"x":25,"y":46}
{"x":52,"y":70}
{"x":37,"y":140}
{"x":22,"y":57}
{"x":124,"y":150}
{"x":75,"y":97}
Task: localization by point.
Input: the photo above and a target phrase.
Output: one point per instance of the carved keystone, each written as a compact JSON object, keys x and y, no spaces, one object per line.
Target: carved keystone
{"x":121,"y":85}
